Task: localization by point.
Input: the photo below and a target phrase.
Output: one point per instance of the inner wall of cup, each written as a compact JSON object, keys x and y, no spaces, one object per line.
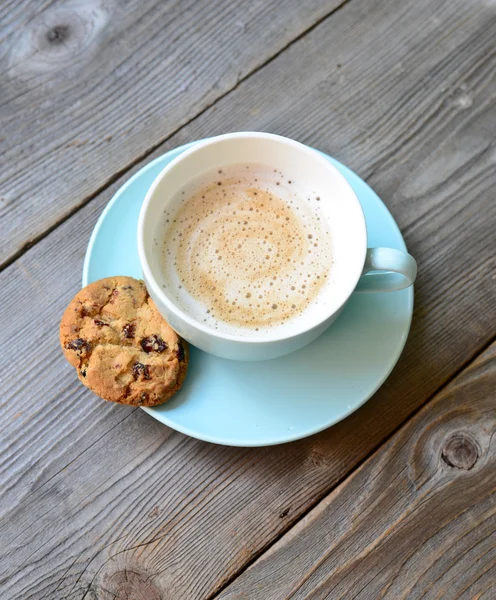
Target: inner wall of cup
{"x":314,"y":175}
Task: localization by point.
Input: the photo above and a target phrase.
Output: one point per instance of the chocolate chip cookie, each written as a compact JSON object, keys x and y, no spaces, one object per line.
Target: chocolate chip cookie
{"x":120,"y":345}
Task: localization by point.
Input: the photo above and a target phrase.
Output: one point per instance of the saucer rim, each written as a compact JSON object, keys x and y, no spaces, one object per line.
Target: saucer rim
{"x":254,"y":442}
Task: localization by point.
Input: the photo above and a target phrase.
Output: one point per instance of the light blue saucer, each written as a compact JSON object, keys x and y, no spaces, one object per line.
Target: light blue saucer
{"x":281,"y":400}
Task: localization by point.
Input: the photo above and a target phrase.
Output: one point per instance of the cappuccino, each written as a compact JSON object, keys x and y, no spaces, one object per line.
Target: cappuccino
{"x":245,"y":248}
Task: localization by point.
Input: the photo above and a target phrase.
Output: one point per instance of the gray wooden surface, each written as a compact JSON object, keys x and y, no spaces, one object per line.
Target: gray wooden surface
{"x":101,"y":501}
{"x":407,"y":510}
{"x":88,"y":87}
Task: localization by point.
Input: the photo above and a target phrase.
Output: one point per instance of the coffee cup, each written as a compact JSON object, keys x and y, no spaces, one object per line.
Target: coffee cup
{"x":353,"y":267}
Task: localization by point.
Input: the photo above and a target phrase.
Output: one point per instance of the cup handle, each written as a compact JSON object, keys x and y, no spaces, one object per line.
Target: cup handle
{"x":387,"y":270}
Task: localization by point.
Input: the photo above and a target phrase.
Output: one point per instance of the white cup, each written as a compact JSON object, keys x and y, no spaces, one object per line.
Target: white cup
{"x":352,"y":260}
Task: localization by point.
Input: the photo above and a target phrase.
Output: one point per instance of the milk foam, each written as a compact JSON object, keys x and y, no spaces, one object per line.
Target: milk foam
{"x":246,"y":249}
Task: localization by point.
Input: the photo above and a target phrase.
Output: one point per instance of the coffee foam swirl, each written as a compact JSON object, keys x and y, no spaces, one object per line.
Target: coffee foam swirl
{"x":247,"y":249}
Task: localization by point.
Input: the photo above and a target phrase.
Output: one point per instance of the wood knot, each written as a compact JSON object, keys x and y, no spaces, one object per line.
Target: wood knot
{"x":460,"y":452}
{"x":62,"y":38}
{"x":58,"y":34}
{"x":127,"y":584}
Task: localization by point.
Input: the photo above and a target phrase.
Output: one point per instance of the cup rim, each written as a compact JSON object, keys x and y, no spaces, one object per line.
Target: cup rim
{"x":194,"y":323}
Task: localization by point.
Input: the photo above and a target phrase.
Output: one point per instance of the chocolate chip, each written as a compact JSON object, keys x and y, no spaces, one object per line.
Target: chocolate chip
{"x":115,"y":293}
{"x":83,"y":372}
{"x":100,"y":323}
{"x":129,"y":330}
{"x":80,"y":346}
{"x":143,"y":398}
{"x":180,"y":351}
{"x":153,"y":343}
{"x":127,"y":287}
{"x":141,"y":371}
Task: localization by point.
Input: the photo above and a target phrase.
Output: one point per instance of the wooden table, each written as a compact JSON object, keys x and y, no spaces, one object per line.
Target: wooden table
{"x":99,"y":501}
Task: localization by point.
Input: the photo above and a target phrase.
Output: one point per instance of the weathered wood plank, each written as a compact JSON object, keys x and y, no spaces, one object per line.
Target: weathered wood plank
{"x":417,"y":520}
{"x":88,"y":87}
{"x":107,"y":484}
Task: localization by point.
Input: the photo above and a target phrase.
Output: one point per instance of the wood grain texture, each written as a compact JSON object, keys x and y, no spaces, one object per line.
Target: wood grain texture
{"x":94,"y":494}
{"x":90,"y":86}
{"x":417,"y":520}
